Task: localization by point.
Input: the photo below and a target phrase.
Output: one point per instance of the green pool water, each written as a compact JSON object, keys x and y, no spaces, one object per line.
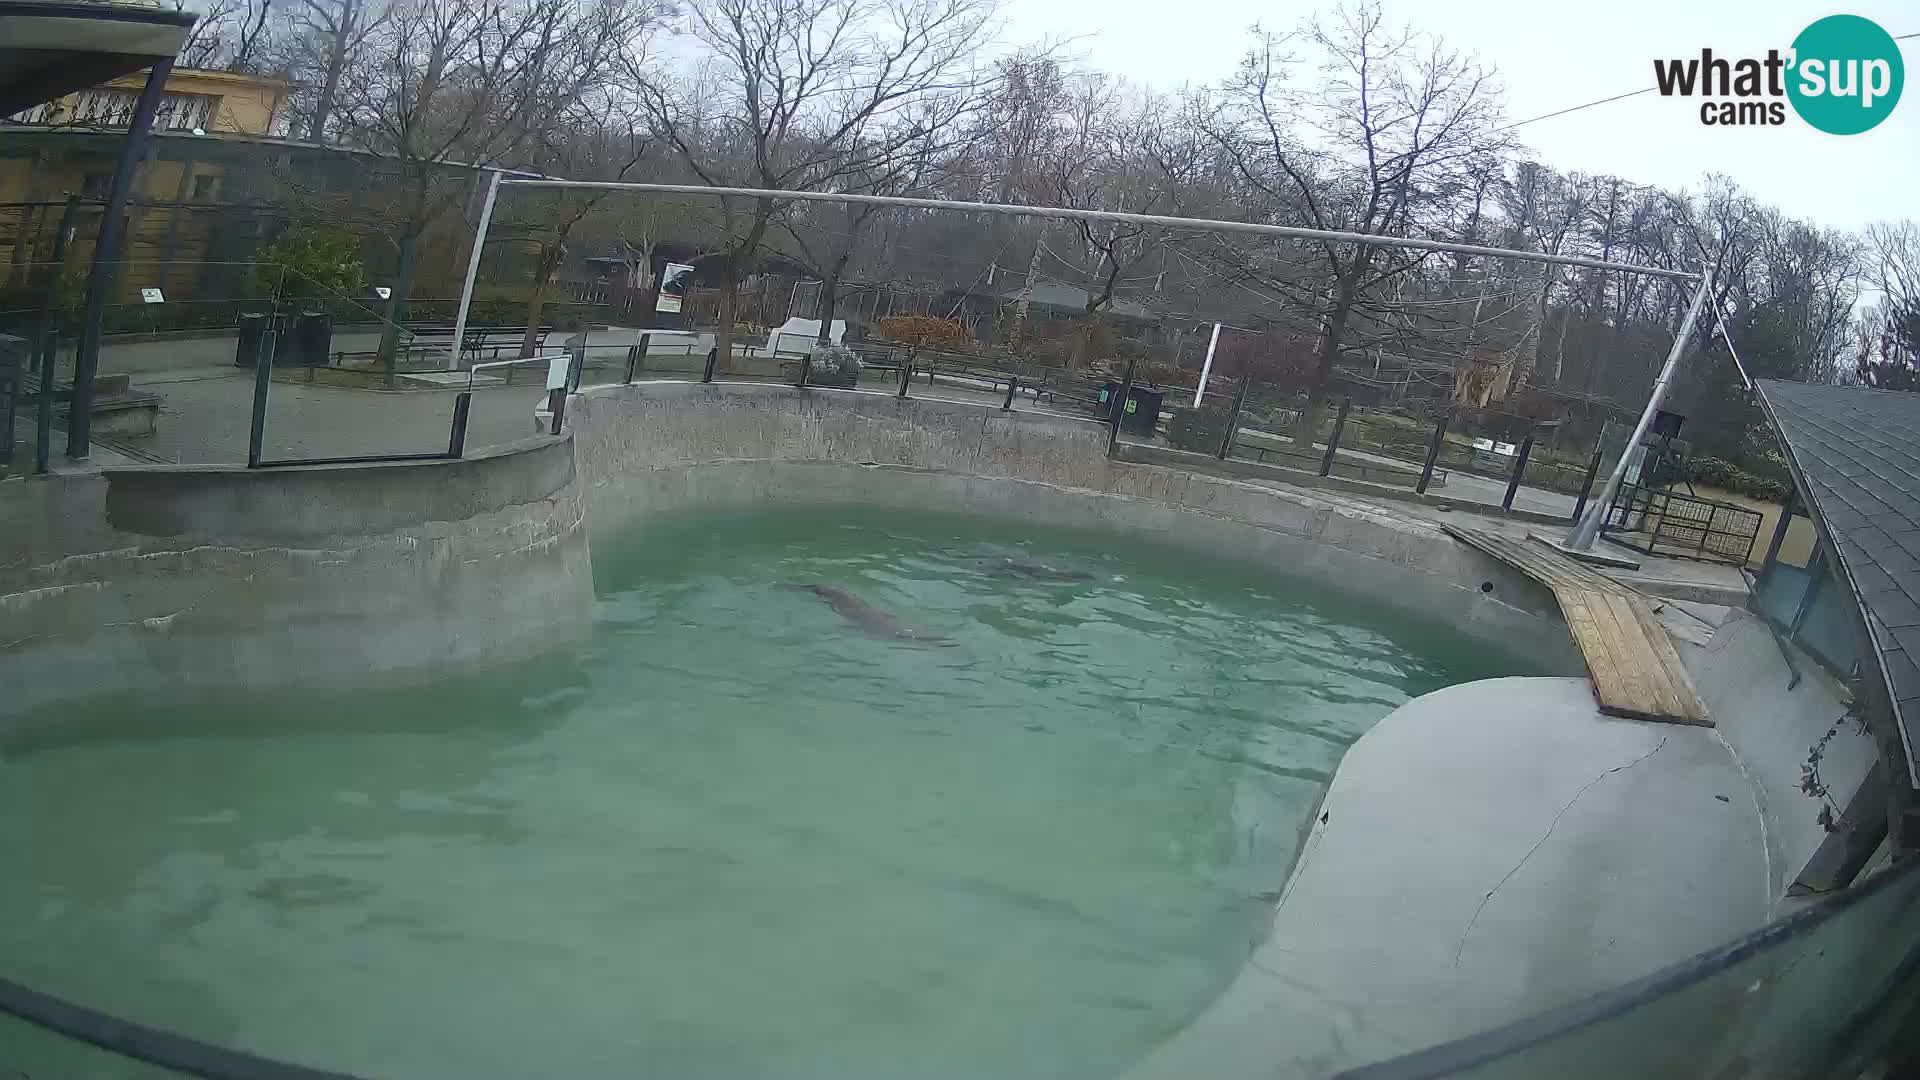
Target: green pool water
{"x":728,"y":834}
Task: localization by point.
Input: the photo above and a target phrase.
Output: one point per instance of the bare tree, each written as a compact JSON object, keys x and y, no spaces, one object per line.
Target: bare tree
{"x":441,"y":84}
{"x":323,"y":39}
{"x":1113,"y":156}
{"x":1390,"y":132}
{"x":228,"y":36}
{"x":799,"y":94}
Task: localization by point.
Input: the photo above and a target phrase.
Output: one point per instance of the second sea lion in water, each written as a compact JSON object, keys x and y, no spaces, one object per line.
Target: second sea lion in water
{"x":864,"y":615}
{"x":1006,"y":567}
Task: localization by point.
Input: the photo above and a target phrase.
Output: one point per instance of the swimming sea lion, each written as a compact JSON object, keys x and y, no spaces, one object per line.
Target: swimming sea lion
{"x":1006,"y":567}
{"x":864,"y":615}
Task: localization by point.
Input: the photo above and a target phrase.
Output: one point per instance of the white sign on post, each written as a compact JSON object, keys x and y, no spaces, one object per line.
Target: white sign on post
{"x":152,"y":296}
{"x":673,"y":288}
{"x":557,"y":372}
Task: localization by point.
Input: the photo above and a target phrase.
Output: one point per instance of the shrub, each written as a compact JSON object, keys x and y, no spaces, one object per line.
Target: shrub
{"x":310,"y":260}
{"x":1723,"y":474}
{"x":924,"y":331}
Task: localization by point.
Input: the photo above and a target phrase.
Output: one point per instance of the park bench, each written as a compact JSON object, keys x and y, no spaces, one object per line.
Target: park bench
{"x":481,"y":341}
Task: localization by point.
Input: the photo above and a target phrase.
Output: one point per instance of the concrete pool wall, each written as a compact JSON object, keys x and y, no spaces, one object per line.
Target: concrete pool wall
{"x":187,"y":577}
{"x":1486,"y":852}
{"x":669,"y":446}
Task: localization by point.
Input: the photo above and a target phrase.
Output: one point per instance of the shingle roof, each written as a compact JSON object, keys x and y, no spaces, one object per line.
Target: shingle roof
{"x":1857,"y":454}
{"x":1072,"y":297}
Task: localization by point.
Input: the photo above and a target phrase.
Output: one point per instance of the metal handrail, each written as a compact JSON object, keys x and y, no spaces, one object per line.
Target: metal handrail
{"x":546,"y":358}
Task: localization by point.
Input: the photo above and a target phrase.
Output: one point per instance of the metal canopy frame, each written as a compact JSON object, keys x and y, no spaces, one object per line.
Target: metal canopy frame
{"x":1583,"y":533}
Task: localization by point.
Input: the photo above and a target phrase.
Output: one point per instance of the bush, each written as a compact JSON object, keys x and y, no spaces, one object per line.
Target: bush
{"x":310,"y":259}
{"x":1723,"y":474}
{"x":835,"y":365}
{"x":924,"y":332}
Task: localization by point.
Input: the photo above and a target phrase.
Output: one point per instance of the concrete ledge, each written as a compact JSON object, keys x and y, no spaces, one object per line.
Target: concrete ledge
{"x":1482,"y":855}
{"x":666,"y":446}
{"x":1252,"y":470}
{"x":172,"y":578}
{"x":309,"y":504}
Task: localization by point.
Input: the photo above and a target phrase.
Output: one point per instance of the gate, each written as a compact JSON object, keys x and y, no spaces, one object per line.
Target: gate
{"x":1659,"y":521}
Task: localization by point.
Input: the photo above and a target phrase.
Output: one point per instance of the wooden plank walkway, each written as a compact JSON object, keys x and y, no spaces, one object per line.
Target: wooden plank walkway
{"x":1632,"y":663}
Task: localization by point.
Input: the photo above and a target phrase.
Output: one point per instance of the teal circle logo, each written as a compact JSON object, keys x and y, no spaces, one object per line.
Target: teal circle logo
{"x":1847,"y":74}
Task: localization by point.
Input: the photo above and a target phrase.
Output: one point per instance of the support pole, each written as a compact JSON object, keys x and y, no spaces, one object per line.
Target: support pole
{"x":1120,"y":405}
{"x":1587,"y":529}
{"x":1013,"y":384}
{"x":1519,"y":470}
{"x":473,"y":268}
{"x":262,"y":378}
{"x":906,"y":374}
{"x":1586,"y":486}
{"x":1333,"y":440}
{"x":1433,"y":454}
{"x":636,"y":356}
{"x":106,"y":261}
{"x":1233,"y":416}
{"x":1780,"y":530}
{"x":1206,"y":367}
{"x":457,"y":439}
{"x":47,"y":341}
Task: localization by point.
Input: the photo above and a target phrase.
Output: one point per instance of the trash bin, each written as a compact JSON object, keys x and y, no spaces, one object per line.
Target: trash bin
{"x":1142,"y":412}
{"x":312,"y":340}
{"x":256,"y":330}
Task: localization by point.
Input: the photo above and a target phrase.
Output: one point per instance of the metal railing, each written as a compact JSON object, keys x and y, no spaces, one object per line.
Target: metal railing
{"x":1661,"y":521}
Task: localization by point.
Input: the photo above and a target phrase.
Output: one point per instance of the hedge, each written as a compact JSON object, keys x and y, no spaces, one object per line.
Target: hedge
{"x":1716,"y":472}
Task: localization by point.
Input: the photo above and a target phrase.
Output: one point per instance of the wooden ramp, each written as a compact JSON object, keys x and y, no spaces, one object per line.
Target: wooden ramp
{"x":1634,"y":669}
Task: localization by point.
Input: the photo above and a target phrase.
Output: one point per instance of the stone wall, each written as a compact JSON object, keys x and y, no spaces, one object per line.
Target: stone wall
{"x":661,"y":447}
{"x":171,"y":578}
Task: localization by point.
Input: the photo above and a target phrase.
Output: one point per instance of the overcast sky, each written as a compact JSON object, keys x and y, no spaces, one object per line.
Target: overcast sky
{"x":1551,"y":56}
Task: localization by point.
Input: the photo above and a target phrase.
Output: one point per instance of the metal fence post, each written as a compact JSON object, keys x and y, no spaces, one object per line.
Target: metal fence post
{"x":262,"y":377}
{"x":806,"y":363}
{"x":1586,"y":486}
{"x":1780,"y":526}
{"x":457,"y":442}
{"x":1013,"y":383}
{"x":1433,"y":454}
{"x":1233,"y":416}
{"x":1120,"y":405}
{"x":47,"y":341}
{"x":1519,"y":470}
{"x":1333,"y":440}
{"x":906,"y":376}
{"x":106,"y":259}
{"x":636,"y":355}
{"x":713,"y":361}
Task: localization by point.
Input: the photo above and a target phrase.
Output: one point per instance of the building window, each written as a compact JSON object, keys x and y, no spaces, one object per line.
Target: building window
{"x":109,"y":108}
{"x":203,"y":188}
{"x":95,"y":185}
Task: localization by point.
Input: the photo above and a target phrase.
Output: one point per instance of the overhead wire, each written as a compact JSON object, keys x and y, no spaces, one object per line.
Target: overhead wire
{"x":1618,"y":97}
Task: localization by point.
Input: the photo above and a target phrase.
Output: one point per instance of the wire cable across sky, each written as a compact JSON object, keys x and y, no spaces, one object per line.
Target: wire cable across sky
{"x":1617,"y":97}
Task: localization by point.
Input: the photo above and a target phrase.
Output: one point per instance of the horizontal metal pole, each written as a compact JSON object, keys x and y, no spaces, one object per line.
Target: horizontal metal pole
{"x":363,"y":459}
{"x":1070,"y":214}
